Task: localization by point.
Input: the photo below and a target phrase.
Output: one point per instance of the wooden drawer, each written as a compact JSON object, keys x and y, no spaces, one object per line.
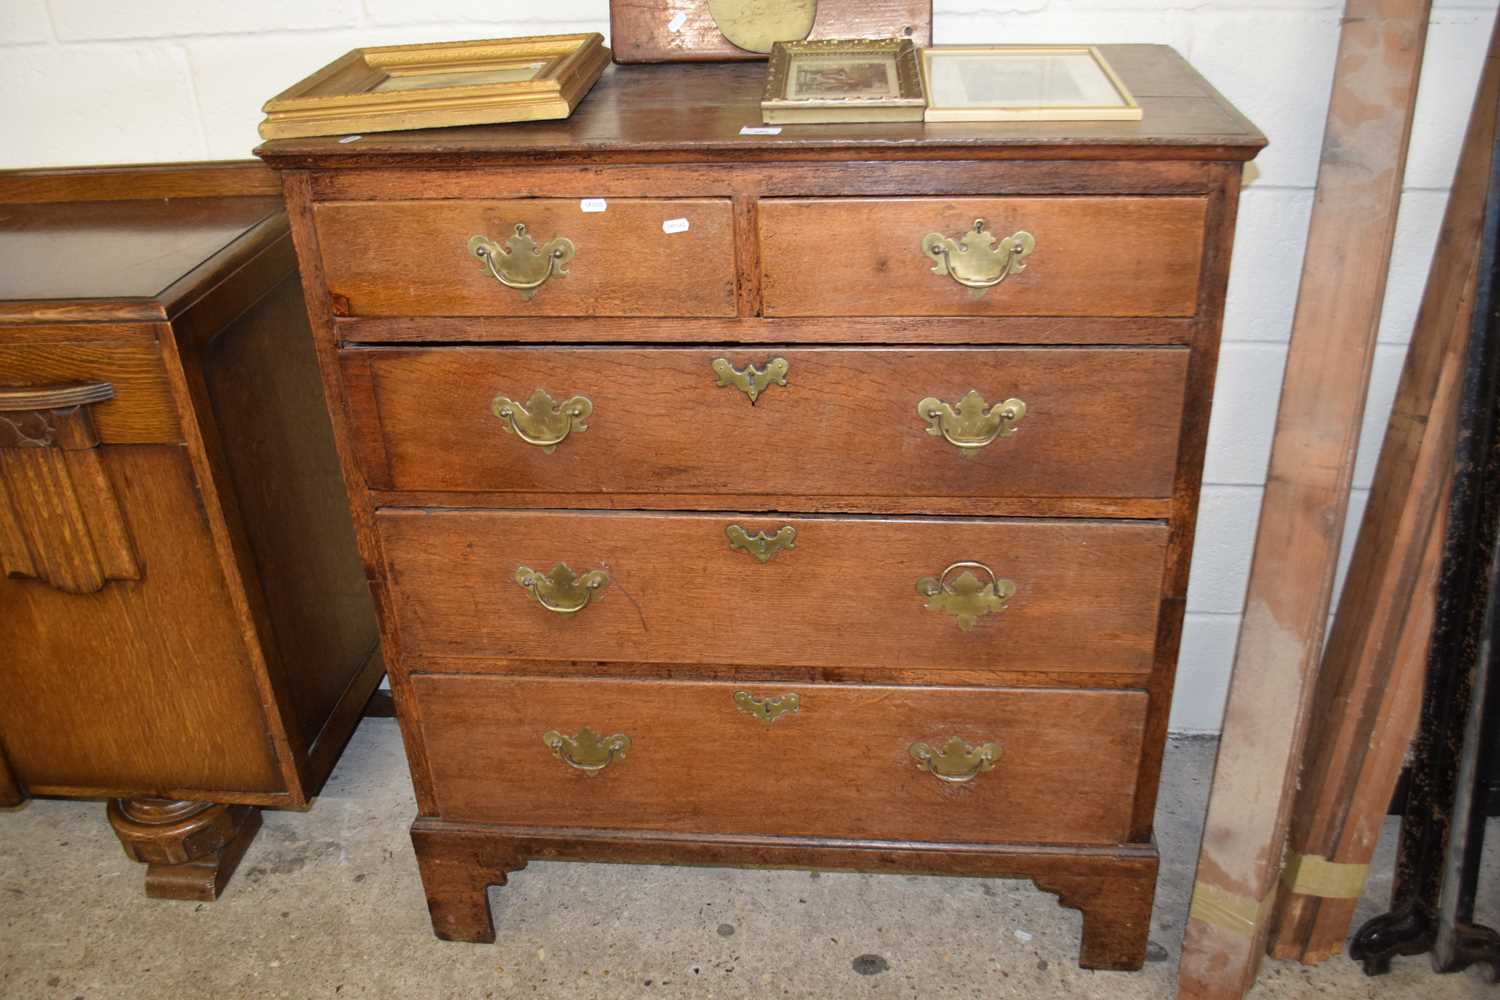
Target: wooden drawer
{"x":1086,"y":592}
{"x":412,"y":257}
{"x":840,"y":766}
{"x":1093,"y":256}
{"x":129,"y":358}
{"x":1100,"y":422}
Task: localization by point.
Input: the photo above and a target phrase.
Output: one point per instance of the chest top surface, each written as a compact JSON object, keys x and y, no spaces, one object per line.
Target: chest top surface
{"x":684,"y":113}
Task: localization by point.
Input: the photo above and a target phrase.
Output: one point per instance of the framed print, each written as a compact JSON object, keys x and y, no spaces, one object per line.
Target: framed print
{"x":1009,"y":83}
{"x":843,"y":81}
{"x":716,"y":30}
{"x":396,"y":87}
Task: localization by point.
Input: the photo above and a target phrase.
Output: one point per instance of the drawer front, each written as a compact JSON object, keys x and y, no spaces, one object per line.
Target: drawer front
{"x":637,"y":258}
{"x":845,"y":593}
{"x":1060,"y":768}
{"x":847,"y":422}
{"x":1092,"y":256}
{"x":141,"y":411}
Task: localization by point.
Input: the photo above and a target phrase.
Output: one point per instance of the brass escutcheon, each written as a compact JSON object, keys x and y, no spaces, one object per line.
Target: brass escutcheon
{"x":966,"y":598}
{"x":971,"y":425}
{"x":956,"y":761}
{"x":588,"y":751}
{"x":752,"y":381}
{"x":767,"y":710}
{"x":761,"y":545}
{"x":976,"y":260}
{"x":519,"y":263}
{"x":562,"y":590}
{"x":541,"y":420}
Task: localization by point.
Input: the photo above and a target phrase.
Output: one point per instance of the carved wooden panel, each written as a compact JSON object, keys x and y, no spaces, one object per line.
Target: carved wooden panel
{"x":60,"y":521}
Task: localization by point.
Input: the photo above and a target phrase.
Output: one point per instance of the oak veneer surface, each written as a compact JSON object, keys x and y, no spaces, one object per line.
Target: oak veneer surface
{"x":840,"y":766}
{"x":695,"y":113}
{"x":102,"y":250}
{"x":1086,"y":592}
{"x":1093,"y":256}
{"x":846,"y":423}
{"x":128,"y":357}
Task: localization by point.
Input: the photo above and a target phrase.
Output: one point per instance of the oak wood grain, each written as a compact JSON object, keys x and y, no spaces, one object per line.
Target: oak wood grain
{"x":839,"y":767}
{"x":391,"y":258}
{"x":1098,"y":423}
{"x":128,"y":357}
{"x":1086,"y":597}
{"x":217,"y":179}
{"x":644,"y":31}
{"x":863,"y":257}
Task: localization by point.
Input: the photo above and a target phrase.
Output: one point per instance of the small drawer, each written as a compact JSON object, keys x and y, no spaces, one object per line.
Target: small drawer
{"x":806,"y":422}
{"x":140,"y":411}
{"x":957,"y":765}
{"x":636,"y":258}
{"x":859,"y":593}
{"x":1082,"y":256}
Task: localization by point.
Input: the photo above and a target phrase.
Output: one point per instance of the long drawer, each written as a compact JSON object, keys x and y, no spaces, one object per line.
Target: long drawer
{"x":891,"y":763}
{"x":989,"y":422}
{"x":867,"y":593}
{"x":1079,"y":256}
{"x":636,"y":258}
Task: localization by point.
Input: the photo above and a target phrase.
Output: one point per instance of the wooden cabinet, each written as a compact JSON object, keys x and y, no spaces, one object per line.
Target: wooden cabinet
{"x":821,"y":499}
{"x":184,"y":620}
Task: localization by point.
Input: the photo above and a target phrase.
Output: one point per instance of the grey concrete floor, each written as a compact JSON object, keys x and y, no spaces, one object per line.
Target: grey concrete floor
{"x":327,"y":904}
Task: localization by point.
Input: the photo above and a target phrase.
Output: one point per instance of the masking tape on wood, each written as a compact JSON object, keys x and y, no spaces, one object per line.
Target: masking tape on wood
{"x":1239,"y":915}
{"x":1315,"y":875}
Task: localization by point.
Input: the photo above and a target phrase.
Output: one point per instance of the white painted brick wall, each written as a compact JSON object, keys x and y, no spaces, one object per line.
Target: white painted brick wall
{"x":89,"y":81}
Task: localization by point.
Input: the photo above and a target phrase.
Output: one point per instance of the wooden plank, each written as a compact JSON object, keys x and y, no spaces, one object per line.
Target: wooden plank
{"x":1307,"y":493}
{"x":1372,"y":671}
{"x":228,"y":179}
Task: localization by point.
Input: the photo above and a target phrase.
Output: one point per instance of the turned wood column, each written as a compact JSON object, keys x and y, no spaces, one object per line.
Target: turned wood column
{"x":190,"y":849}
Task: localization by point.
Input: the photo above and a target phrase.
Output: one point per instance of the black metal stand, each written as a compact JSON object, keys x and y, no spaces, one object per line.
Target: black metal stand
{"x":1442,"y":830}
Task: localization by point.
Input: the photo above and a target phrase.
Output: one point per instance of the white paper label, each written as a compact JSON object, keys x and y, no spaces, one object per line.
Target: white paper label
{"x":350,"y":138}
{"x":674,"y":226}
{"x":594,"y":205}
{"x":675,"y":25}
{"x":761,"y":130}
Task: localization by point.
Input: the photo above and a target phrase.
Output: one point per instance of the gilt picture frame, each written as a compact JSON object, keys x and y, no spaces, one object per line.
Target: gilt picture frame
{"x":854,"y":80}
{"x":1023,"y":83}
{"x":396,"y":87}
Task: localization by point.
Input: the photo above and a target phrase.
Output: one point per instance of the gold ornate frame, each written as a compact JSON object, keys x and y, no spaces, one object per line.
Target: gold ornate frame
{"x":907,"y":105}
{"x":342,"y":97}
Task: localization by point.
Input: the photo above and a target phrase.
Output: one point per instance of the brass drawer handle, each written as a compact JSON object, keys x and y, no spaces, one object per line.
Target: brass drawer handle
{"x":971,"y":425}
{"x":956,"y":761}
{"x":562,"y":590}
{"x":541,"y":420}
{"x":966,"y":598}
{"x":761,"y":545}
{"x":976,"y":260}
{"x":588,"y":751}
{"x":767,"y":710}
{"x":752,"y":381}
{"x":519,"y":263}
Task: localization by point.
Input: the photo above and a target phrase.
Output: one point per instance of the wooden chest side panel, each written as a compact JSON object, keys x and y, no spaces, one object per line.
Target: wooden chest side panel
{"x":127,"y":357}
{"x":839,"y":767}
{"x":412,"y":257}
{"x":1094,"y":256}
{"x":1099,"y":423}
{"x":1086,"y":596}
{"x":142,"y":686}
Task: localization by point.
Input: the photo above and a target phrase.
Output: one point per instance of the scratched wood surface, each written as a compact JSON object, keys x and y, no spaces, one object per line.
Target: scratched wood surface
{"x":1307,"y":494}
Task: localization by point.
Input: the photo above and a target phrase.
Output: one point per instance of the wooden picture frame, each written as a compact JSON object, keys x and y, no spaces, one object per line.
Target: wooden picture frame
{"x":395,"y":87}
{"x":1023,"y":83}
{"x":859,"y":80}
{"x":646,"y":31}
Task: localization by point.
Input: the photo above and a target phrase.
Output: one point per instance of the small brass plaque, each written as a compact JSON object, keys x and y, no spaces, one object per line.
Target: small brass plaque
{"x":752,"y":381}
{"x":767,"y":710}
{"x":761,"y":545}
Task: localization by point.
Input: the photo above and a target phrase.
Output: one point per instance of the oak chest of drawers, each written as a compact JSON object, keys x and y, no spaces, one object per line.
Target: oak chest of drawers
{"x":822,"y":499}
